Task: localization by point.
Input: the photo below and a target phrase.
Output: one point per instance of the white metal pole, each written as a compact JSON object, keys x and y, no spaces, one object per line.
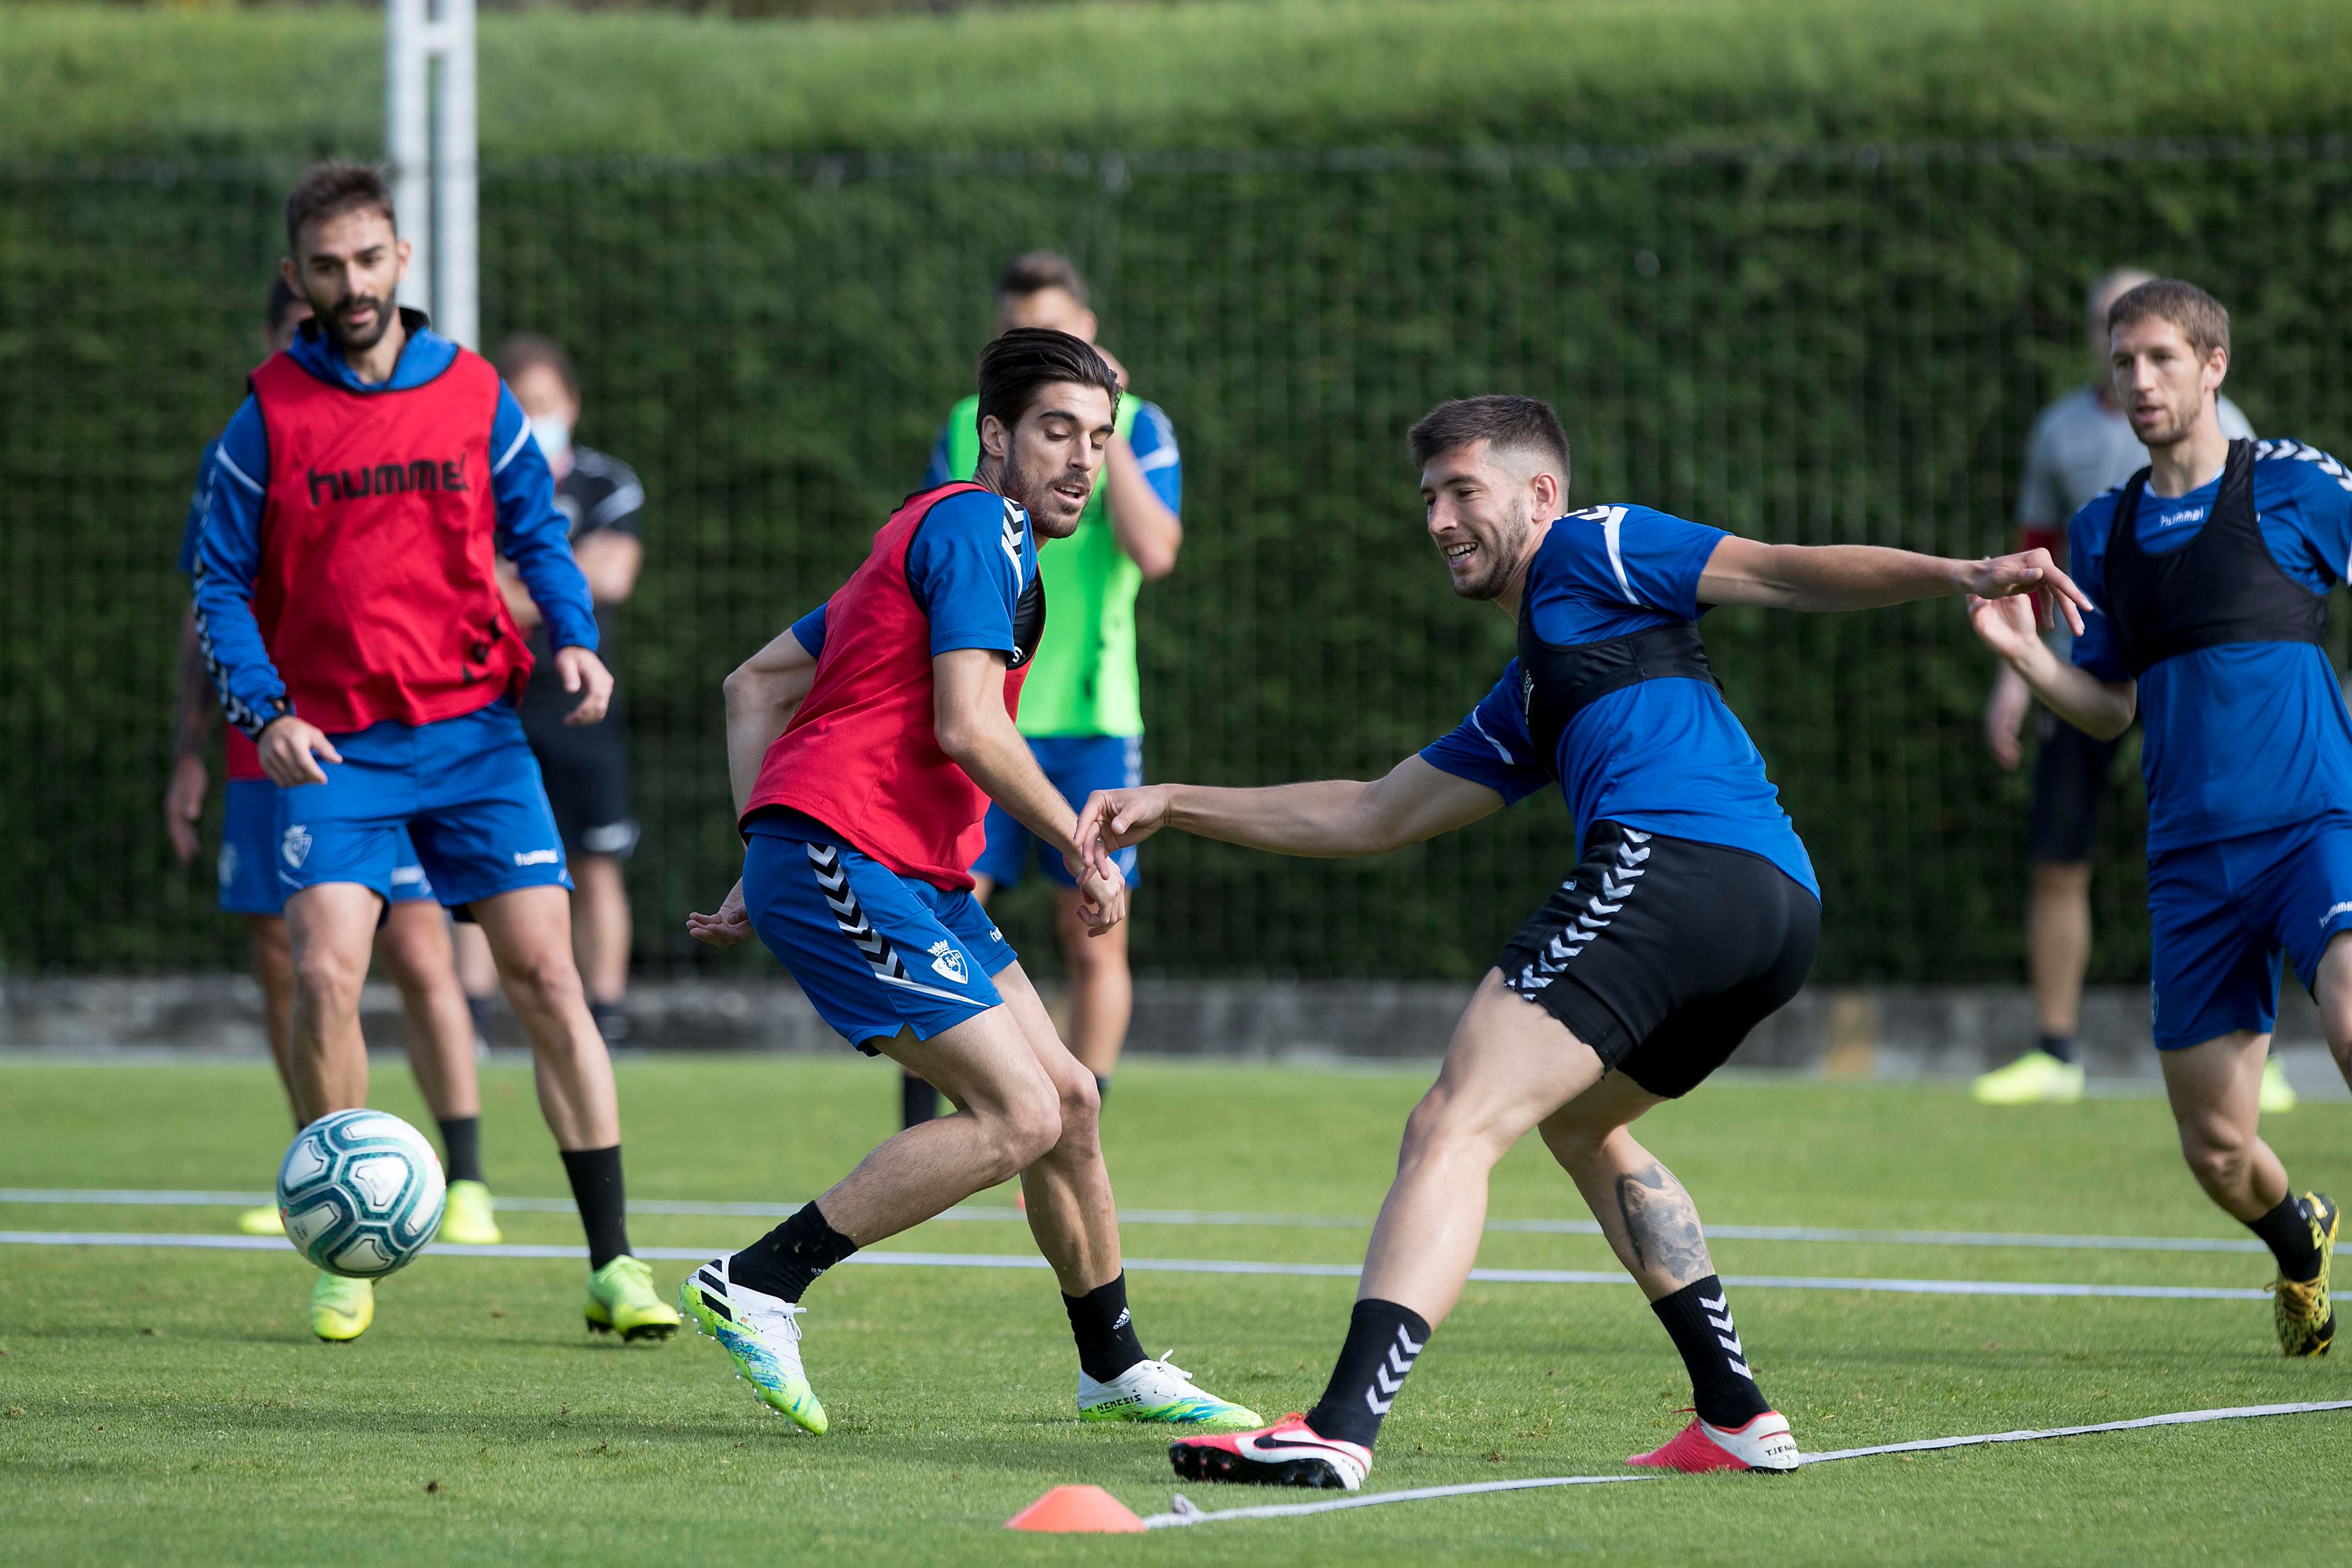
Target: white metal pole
{"x":456,"y":206}
{"x":407,"y":140}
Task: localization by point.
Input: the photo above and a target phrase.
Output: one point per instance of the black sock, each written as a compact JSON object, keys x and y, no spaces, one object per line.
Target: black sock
{"x":786,"y":1260}
{"x":2061,"y":1046}
{"x":2286,"y":1231}
{"x":917,"y":1101}
{"x":461,"y":1147}
{"x":596,"y":1187}
{"x":1105,"y":1330}
{"x":481,"y":1008}
{"x":1698,"y":1317}
{"x":1383,"y":1338}
{"x":1102,"y":1087}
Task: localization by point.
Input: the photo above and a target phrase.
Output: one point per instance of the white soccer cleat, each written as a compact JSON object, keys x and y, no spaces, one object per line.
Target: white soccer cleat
{"x":1287,"y":1454}
{"x":1765,"y":1445}
{"x":758,"y":1331}
{"x":1160,"y":1392}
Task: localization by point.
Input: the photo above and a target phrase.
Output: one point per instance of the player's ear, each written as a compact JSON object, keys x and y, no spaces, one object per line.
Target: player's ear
{"x":994,"y":439}
{"x":401,"y":248}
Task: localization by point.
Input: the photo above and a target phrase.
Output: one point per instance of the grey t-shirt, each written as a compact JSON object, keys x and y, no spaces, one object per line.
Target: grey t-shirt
{"x":2080,"y":448}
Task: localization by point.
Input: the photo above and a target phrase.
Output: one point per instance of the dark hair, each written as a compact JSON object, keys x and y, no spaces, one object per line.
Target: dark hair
{"x":1020,"y":362}
{"x":529,"y":352}
{"x":331,"y":189}
{"x":282,"y":300}
{"x":1033,"y":271}
{"x":2198,"y":313}
{"x":1520,"y":424}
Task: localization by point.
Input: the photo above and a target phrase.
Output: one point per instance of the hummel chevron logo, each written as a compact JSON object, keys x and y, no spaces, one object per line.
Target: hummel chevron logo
{"x":1612,"y":888}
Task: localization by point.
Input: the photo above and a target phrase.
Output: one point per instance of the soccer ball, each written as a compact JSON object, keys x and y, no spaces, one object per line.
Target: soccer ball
{"x":361,"y":1193}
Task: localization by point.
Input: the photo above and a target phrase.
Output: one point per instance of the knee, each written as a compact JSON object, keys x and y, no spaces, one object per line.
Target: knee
{"x":1577,"y":1146}
{"x":1027,"y":1127}
{"x":327,"y":980}
{"x":547,"y":980}
{"x":2217,"y":1153}
{"x":1435,"y":1126}
{"x":1080,"y":1107}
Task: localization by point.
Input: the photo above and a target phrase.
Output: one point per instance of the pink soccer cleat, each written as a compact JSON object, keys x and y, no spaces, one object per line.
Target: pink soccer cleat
{"x":1287,"y":1454}
{"x":1765,"y":1445}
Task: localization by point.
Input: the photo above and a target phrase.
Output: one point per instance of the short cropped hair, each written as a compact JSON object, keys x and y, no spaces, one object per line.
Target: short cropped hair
{"x":529,"y":352}
{"x":1525,"y":425}
{"x":1034,"y":271}
{"x":282,"y":300}
{"x":1021,"y":362}
{"x":331,"y":189}
{"x":2199,"y":316}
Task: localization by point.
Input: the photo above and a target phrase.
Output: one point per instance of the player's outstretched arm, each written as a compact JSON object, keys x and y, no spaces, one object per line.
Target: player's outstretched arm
{"x":1867,"y":577}
{"x":183,"y":798}
{"x":763,"y":692}
{"x":2097,"y":708}
{"x":1331,"y":818}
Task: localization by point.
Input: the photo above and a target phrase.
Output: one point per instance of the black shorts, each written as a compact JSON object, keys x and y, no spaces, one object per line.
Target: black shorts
{"x":1661,"y":954}
{"x":586,"y":768}
{"x":2070,"y":778}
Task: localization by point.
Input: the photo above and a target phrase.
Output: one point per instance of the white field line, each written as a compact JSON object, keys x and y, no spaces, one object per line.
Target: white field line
{"x":165,"y":1197}
{"x":1186,"y":1513}
{"x":225,"y":1243}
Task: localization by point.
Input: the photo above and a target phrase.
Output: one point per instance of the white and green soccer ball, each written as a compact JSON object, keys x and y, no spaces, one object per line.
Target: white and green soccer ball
{"x":361,"y":1193}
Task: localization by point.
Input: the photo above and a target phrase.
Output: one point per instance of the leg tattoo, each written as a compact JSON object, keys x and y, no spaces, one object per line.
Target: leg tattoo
{"x":1661,"y":1225}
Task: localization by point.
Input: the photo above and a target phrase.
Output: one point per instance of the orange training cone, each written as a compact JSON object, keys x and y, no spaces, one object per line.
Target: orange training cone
{"x":1077,"y":1510}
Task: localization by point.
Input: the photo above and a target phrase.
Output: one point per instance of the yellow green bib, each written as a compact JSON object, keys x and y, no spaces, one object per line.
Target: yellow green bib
{"x":1083,"y":680}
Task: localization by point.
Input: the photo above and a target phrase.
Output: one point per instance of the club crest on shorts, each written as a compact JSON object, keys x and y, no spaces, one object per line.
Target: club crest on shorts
{"x":227,"y":864}
{"x":949,"y":962}
{"x":296,"y":845}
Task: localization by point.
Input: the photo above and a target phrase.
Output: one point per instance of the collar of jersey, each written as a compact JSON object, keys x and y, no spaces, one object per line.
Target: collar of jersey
{"x":424,"y":356}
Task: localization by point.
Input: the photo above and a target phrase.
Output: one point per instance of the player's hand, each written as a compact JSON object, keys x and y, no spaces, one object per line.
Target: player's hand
{"x":582,"y":672}
{"x":2004,"y":715}
{"x":1102,"y":897}
{"x":2007,"y":626}
{"x":290,"y":750}
{"x":2032,"y":572}
{"x":1111,"y":819}
{"x":184,"y":802}
{"x":727,"y":928}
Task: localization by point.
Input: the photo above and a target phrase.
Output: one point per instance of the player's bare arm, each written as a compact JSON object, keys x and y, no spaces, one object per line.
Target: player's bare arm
{"x":1330,"y":819}
{"x":582,"y":671}
{"x":973,"y":728}
{"x":763,"y":694}
{"x":2097,"y":708}
{"x":291,"y":752}
{"x":1147,"y":531}
{"x":183,"y":798}
{"x":1869,"y":577}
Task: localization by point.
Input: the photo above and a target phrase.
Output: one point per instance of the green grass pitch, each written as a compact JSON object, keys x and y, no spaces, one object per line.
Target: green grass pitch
{"x":170,"y":1407}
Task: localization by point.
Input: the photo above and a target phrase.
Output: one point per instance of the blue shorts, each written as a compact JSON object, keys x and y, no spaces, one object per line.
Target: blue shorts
{"x":1078,"y":765}
{"x":875,"y":952}
{"x":248,"y":880}
{"x":2223,"y":915}
{"x":464,"y":793}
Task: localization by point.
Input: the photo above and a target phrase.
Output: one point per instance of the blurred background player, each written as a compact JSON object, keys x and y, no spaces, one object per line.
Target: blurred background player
{"x":1082,"y":710}
{"x":347,"y":602}
{"x":2211,"y":568}
{"x":2081,"y":446}
{"x":586,"y":766}
{"x":413,"y":942}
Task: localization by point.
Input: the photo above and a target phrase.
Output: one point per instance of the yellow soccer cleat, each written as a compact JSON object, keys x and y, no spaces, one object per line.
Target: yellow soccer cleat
{"x":2278,"y":1096}
{"x":2306,"y":1323}
{"x":262,"y":1222}
{"x":621,"y":1297}
{"x":468,"y":1221}
{"x":2037,"y":1078}
{"x":341,"y":1309}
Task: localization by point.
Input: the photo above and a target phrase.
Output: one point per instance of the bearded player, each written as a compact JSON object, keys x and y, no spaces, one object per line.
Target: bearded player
{"x":2211,"y":568}
{"x":413,"y":942}
{"x":865,"y":745}
{"x":349,"y":604}
{"x":1692,"y":916}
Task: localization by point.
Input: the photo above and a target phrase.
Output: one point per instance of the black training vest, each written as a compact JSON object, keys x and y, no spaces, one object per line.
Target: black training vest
{"x":1557,"y":684}
{"x":2223,"y":586}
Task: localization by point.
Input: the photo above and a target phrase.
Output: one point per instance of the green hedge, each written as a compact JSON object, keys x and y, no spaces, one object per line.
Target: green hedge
{"x":268,"y":81}
{"x":1843,"y":346}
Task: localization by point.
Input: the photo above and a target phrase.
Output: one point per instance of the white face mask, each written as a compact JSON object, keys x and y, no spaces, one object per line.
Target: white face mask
{"x":553,"y":433}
